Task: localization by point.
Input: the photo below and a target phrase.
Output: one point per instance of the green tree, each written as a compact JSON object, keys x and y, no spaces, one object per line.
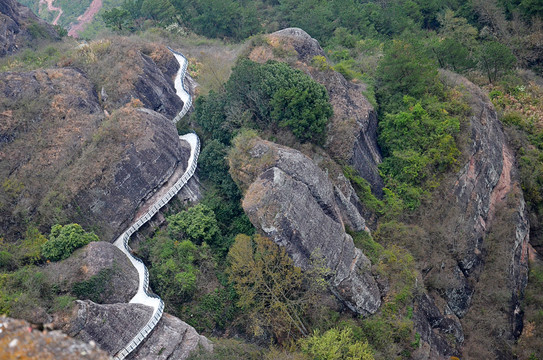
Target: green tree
{"x":417,"y":144}
{"x":336,"y":344}
{"x":158,"y":10}
{"x":116,"y":18}
{"x":210,"y":115}
{"x":197,"y":224}
{"x":173,"y":271}
{"x":273,"y":293}
{"x":495,"y":59}
{"x":133,"y":7}
{"x":458,"y":29}
{"x":277,"y":95}
{"x":453,"y":55}
{"x":405,"y":70}
{"x":226,"y":19}
{"x":64,"y":240}
{"x":304,"y":109}
{"x":532,"y":7}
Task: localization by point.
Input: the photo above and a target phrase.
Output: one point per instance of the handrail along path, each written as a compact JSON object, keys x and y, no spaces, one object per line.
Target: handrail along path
{"x":144,"y":295}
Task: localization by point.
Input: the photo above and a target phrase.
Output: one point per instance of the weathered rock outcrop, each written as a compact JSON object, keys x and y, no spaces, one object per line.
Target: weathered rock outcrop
{"x":440,"y":333}
{"x":120,"y":284}
{"x":171,"y":339}
{"x":292,"y":201}
{"x":143,"y":167}
{"x":485,"y":181}
{"x":68,"y":160}
{"x":112,"y":326}
{"x":19,"y":341}
{"x":352,"y":134}
{"x":154,"y":86}
{"x":19,"y":26}
{"x":478,"y":261}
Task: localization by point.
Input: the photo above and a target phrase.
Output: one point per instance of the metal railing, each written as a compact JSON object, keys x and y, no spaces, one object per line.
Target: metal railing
{"x":183,"y":71}
{"x":125,"y":237}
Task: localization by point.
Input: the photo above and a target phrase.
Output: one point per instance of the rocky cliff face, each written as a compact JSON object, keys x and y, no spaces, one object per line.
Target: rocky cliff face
{"x":171,"y":339}
{"x":292,"y":202}
{"x":112,"y":326}
{"x":69,"y":161}
{"x":120,"y":284}
{"x":18,"y":340}
{"x":478,"y":260}
{"x":19,"y":26}
{"x":144,"y":166}
{"x":352,"y":134}
{"x":153,"y":84}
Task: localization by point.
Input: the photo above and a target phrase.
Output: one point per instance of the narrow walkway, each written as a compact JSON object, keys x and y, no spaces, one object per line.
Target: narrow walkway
{"x":144,"y":296}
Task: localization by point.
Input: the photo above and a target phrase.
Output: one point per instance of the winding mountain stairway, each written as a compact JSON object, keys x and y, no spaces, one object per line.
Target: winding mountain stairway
{"x":144,"y":295}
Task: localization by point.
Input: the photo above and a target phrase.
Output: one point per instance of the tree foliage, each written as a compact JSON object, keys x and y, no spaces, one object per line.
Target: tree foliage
{"x":495,"y":59}
{"x":273,"y":293}
{"x":173,"y":271}
{"x":268,"y":97}
{"x":405,"y":70}
{"x":336,"y":344}
{"x":64,"y":240}
{"x":116,"y":18}
{"x":197,"y":224}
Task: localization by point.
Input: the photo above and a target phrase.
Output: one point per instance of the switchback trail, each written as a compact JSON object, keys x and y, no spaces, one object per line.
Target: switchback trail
{"x":144,"y":295}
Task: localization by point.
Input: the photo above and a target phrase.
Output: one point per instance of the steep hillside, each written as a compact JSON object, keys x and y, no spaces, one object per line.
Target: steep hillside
{"x":352,"y":132}
{"x":19,"y":27}
{"x":292,"y":201}
{"x":367,"y":189}
{"x":70,"y":154}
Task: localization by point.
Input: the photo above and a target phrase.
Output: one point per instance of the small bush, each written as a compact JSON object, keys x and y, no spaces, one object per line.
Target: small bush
{"x":336,"y":344}
{"x":198,"y":224}
{"x":64,"y":240}
{"x":94,"y":288}
{"x":63,"y":302}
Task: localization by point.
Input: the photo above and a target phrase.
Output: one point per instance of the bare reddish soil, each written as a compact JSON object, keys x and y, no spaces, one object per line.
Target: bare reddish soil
{"x":86,"y":18}
{"x":50,"y":7}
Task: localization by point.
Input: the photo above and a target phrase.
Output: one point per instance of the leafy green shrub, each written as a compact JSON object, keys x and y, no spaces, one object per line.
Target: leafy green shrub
{"x":63,"y":302}
{"x":213,"y":311}
{"x":94,"y":288}
{"x":277,"y":95}
{"x":320,"y":63}
{"x":173,"y":267}
{"x":64,"y":240}
{"x":363,"y":190}
{"x":7,"y":260}
{"x":37,"y":31}
{"x":198,"y":224}
{"x":369,"y":247}
{"x":336,"y":344}
{"x":417,"y":144}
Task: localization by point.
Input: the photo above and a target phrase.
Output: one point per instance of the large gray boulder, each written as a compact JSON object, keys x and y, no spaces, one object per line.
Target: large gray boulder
{"x":119,"y":285}
{"x":112,"y":326}
{"x":290,"y":200}
{"x":171,"y":339}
